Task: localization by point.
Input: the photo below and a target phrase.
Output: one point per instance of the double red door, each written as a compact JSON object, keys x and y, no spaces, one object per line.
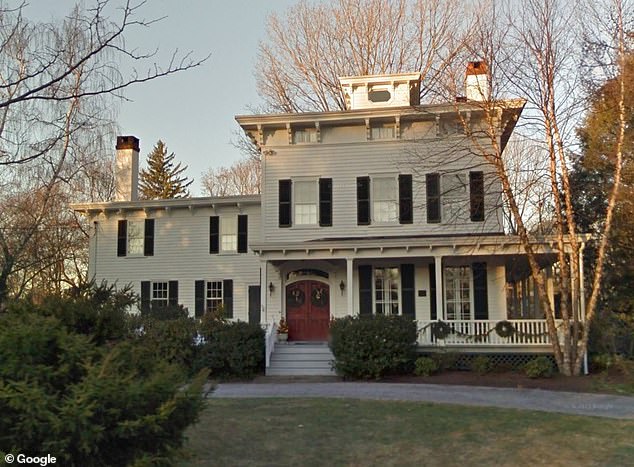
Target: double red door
{"x":308,"y":310}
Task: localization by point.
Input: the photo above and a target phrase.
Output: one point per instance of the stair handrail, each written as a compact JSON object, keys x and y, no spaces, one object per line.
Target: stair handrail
{"x":270,"y":338}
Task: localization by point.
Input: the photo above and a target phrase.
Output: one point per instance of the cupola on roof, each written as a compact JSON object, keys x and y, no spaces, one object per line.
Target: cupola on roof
{"x":377,"y":91}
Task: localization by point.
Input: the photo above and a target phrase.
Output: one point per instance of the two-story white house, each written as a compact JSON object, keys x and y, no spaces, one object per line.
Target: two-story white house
{"x":382,"y":208}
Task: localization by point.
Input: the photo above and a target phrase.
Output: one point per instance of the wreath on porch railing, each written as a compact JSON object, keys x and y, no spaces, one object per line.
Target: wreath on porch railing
{"x":440,"y":330}
{"x":504,"y":329}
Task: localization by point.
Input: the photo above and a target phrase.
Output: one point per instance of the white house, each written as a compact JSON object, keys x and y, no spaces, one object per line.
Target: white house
{"x":382,"y":208}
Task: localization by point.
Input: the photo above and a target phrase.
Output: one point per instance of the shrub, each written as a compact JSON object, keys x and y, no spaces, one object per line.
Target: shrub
{"x":481,"y":364}
{"x":164,"y":313}
{"x":88,"y":404}
{"x":446,"y":360}
{"x":96,"y":311}
{"x":232,"y":349}
{"x":373,"y":346}
{"x":172,"y":340}
{"x":425,"y":366}
{"x":539,"y":367}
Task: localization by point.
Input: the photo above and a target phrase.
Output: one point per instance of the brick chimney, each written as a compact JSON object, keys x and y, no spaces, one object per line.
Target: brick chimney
{"x":477,"y":81}
{"x":127,"y":169}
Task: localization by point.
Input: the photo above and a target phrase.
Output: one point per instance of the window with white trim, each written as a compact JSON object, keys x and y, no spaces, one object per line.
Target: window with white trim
{"x":383,"y":131}
{"x":229,"y":234}
{"x":458,"y":292}
{"x":305,"y":135}
{"x":384,"y":199}
{"x":160,"y":294}
{"x":136,"y":237}
{"x":386,"y":291}
{"x":213,"y":297}
{"x":305,"y":202}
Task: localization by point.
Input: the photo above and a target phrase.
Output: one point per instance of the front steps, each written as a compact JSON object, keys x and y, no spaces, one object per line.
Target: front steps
{"x":301,"y":359}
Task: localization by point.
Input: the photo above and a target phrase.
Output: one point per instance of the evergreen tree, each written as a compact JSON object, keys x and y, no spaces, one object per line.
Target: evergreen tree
{"x":163,"y":179}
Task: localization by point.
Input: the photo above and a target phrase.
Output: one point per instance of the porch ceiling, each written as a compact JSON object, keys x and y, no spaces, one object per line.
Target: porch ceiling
{"x":425,"y":246}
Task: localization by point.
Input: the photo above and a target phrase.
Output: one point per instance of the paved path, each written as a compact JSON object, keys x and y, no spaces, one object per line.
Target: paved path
{"x":600,"y":405}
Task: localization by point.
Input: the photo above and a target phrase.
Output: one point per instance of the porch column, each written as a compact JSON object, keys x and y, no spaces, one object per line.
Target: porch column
{"x":264,"y":288}
{"x":349,"y":282}
{"x":440,"y":306}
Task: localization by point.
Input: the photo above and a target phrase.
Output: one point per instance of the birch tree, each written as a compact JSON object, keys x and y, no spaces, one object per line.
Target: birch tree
{"x":309,"y":48}
{"x":59,"y":85}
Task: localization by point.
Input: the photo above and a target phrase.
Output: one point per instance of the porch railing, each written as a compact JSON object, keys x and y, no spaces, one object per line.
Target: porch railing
{"x":532,"y":332}
{"x":270,"y":338}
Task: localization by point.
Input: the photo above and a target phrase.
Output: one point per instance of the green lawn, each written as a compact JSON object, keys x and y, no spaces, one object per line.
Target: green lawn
{"x":341,"y":432}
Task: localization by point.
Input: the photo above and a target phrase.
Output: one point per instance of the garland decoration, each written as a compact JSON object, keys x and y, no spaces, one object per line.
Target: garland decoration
{"x":440,"y":330}
{"x":504,"y":329}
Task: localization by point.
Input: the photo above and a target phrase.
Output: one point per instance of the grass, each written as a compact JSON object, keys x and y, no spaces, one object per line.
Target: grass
{"x":342,"y":432}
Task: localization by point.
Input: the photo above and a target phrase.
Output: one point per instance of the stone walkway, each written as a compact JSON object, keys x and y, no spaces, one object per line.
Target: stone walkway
{"x":599,"y":405}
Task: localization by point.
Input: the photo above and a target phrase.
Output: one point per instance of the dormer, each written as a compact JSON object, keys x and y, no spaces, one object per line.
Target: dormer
{"x":379,"y":91}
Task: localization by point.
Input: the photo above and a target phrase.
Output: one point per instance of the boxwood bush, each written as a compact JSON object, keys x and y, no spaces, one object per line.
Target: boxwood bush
{"x":367,"y":347}
{"x":232,"y":349}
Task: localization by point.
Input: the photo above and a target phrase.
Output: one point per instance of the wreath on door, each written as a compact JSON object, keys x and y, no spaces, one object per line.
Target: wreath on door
{"x":295,"y":298}
{"x":319,"y":296}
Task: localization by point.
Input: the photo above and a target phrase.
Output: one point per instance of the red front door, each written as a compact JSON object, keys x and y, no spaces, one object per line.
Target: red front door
{"x":308,"y":311}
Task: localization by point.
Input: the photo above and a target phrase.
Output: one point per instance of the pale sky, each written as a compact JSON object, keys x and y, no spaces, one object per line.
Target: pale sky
{"x":192,"y":112}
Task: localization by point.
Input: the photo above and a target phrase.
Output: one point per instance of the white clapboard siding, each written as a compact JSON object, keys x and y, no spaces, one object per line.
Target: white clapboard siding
{"x":181,"y":252}
{"x":344,"y":162}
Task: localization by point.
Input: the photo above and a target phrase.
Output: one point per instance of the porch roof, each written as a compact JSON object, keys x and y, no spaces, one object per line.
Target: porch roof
{"x":422,"y":245}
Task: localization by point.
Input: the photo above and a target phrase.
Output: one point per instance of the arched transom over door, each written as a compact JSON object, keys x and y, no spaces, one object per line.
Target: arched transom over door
{"x":308,"y":310}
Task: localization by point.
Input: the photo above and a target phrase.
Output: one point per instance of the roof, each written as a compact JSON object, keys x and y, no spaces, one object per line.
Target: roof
{"x":177,"y":203}
{"x":251,"y":122}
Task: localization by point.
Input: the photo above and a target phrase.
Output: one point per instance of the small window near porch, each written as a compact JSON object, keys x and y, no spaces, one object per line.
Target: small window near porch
{"x":386,"y":291}
{"x":522,"y":300}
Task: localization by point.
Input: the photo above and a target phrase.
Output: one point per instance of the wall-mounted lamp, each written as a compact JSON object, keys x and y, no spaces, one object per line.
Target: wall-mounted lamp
{"x":271,"y":288}
{"x":342,"y":286}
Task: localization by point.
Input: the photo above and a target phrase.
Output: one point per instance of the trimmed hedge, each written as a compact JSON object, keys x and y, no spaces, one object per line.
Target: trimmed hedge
{"x":367,"y":347}
{"x":232,"y":349}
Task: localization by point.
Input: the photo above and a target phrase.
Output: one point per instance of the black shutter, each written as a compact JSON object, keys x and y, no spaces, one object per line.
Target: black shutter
{"x":214,"y":234}
{"x":285,"y":203}
{"x":432,"y":292}
{"x":365,"y":290}
{"x":122,"y":237}
{"x":363,"y":200}
{"x":148,"y":242}
{"x":227,"y":297}
{"x":145,"y":296}
{"x":325,"y":202}
{"x":480,"y":300}
{"x":433,"y":197}
{"x":243,"y":225}
{"x":405,"y":202}
{"x":407,"y":290}
{"x":199,"y":298}
{"x":476,"y":191}
{"x":172,"y":292}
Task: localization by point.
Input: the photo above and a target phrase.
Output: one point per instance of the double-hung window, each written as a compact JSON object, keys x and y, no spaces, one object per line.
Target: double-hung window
{"x":306,"y":198}
{"x":228,"y":234}
{"x":384,"y":199}
{"x":213,"y":296}
{"x":135,"y":237}
{"x":383,"y":131}
{"x":305,"y":135}
{"x":210,"y":295}
{"x":160,"y":294}
{"x":458,"y":292}
{"x":386,"y":291}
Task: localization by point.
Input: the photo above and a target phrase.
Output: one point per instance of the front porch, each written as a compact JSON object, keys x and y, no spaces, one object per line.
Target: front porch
{"x":517,"y":334}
